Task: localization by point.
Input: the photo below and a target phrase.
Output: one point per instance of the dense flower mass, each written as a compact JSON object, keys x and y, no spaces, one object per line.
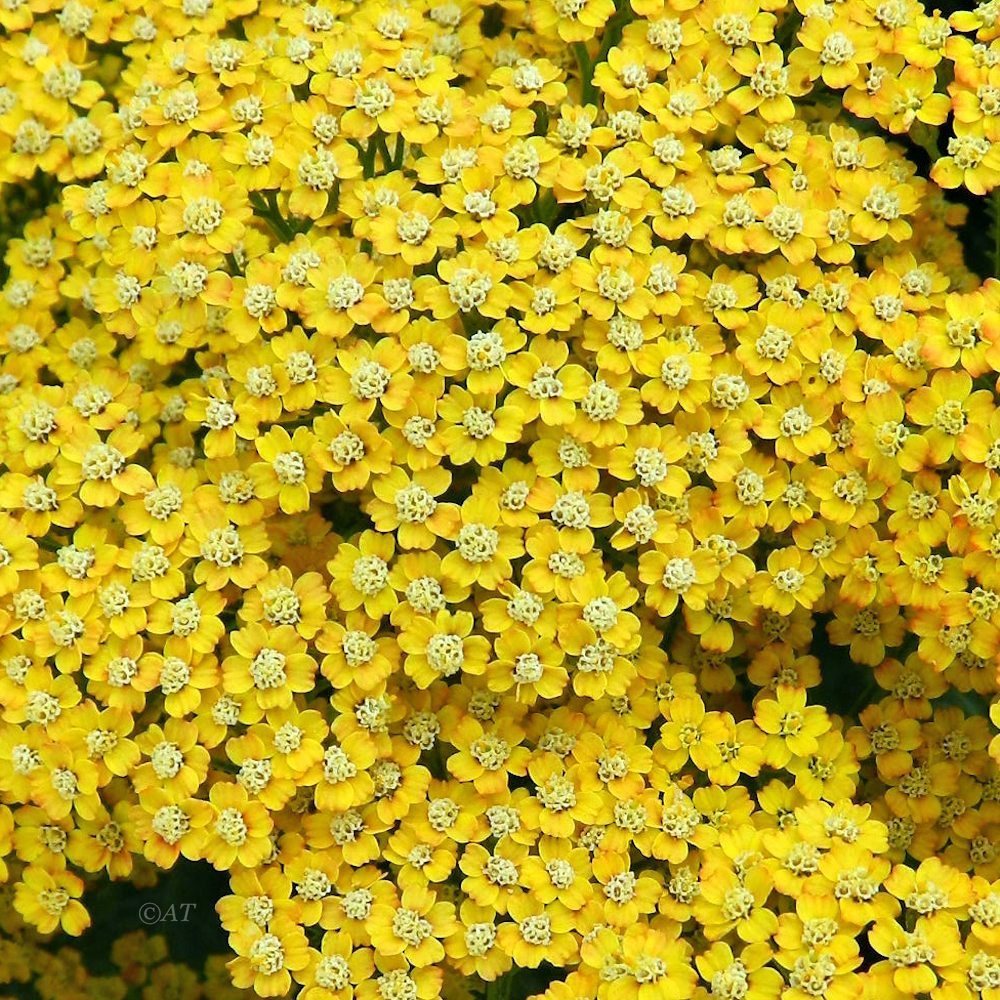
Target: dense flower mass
{"x":516,"y":488}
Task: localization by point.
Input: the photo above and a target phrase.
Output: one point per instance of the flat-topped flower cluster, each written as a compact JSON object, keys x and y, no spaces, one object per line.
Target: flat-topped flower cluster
{"x":516,"y":487}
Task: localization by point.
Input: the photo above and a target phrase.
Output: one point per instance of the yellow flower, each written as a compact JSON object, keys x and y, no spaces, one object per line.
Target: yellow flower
{"x":178,"y":763}
{"x":793,"y":727}
{"x":101,"y":467}
{"x":169,"y":829}
{"x":290,"y":468}
{"x":334,"y":969}
{"x":790,"y":579}
{"x":361,"y":575}
{"x":266,"y":958}
{"x":48,"y":898}
{"x":442,"y":646}
{"x":269,"y":663}
{"x":535,"y":932}
{"x":913,"y":958}
{"x":239,"y":829}
{"x":685,"y":575}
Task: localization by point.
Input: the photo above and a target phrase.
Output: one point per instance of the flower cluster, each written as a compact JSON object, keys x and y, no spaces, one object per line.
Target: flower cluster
{"x":137,"y":967}
{"x":516,"y":487}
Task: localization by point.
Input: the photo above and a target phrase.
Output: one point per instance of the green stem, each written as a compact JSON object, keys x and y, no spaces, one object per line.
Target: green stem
{"x":586,"y":68}
{"x":610,"y":38}
{"x":368,"y":158}
{"x":995,"y":199}
{"x":272,"y":203}
{"x":383,"y":148}
{"x":613,"y":34}
{"x":546,"y":207}
{"x":269,"y":212}
{"x":787,"y":30}
{"x":926,"y":138}
{"x":867,"y":689}
{"x":541,"y":119}
{"x":502,"y":988}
